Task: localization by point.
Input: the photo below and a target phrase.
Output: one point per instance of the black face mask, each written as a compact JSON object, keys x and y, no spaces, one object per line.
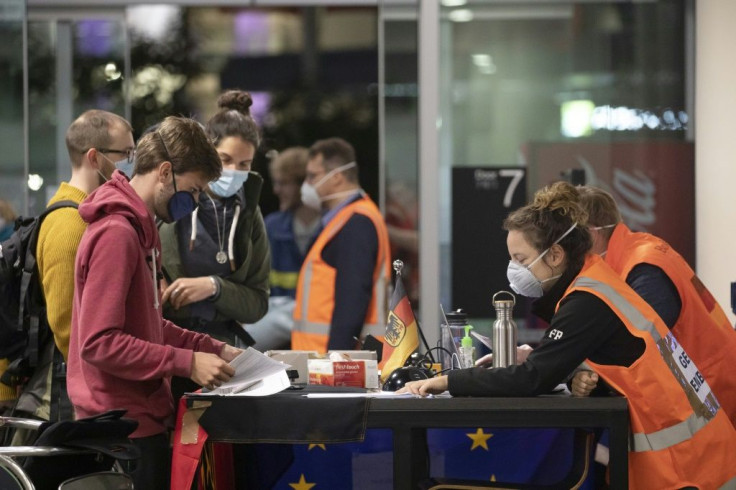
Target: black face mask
{"x":181,"y":204}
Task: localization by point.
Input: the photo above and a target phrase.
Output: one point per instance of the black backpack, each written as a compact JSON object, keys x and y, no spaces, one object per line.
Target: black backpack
{"x":23,"y":325}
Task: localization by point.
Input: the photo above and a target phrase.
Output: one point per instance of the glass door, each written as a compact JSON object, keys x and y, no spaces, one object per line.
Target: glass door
{"x":12,"y":110}
{"x":532,"y":92}
{"x":398,"y":90}
{"x":77,"y":60}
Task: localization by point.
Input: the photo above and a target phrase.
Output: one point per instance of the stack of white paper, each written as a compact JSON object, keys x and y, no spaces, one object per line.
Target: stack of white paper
{"x":255,"y":375}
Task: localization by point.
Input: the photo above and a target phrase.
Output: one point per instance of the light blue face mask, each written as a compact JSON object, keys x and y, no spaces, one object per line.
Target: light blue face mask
{"x":126,"y":167}
{"x":229,"y":182}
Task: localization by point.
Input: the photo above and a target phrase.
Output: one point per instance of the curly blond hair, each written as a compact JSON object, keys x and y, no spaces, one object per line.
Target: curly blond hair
{"x":552,"y":212}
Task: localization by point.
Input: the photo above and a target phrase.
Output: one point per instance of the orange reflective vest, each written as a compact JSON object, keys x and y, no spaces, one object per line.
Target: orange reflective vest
{"x":315,"y":292}
{"x":702,"y":327}
{"x":679,"y":435}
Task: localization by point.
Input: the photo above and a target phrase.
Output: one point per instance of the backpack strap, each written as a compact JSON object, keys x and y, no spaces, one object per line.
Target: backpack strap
{"x":29,"y":262}
{"x":28,"y":274}
{"x":61,"y":406}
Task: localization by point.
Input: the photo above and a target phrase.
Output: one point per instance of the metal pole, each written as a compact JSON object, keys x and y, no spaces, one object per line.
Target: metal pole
{"x":429,"y":243}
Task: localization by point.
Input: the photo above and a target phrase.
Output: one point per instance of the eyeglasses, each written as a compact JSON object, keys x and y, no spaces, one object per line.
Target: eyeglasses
{"x":129,"y":152}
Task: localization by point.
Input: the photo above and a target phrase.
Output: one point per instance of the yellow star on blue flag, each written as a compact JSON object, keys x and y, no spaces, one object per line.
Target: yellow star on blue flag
{"x":302,"y":484}
{"x":480,"y":439}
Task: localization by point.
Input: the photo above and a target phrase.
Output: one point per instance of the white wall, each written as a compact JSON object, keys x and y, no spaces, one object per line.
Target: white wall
{"x":715,"y":147}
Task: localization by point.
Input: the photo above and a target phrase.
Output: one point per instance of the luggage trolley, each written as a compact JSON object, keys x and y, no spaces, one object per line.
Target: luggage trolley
{"x":69,"y":455}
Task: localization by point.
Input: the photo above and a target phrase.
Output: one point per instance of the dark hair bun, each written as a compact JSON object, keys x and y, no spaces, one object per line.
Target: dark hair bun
{"x":235,"y":100}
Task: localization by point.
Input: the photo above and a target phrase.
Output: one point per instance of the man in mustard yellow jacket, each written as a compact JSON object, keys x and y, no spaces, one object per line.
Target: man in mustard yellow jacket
{"x":98,"y":142}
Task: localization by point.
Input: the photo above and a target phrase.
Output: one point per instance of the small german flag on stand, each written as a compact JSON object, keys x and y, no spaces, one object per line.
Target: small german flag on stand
{"x":402,"y":334}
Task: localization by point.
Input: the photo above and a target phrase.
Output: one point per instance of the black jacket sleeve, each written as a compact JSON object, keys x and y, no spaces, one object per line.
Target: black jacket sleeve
{"x":353,"y":253}
{"x":656,"y":288}
{"x":584,"y":327}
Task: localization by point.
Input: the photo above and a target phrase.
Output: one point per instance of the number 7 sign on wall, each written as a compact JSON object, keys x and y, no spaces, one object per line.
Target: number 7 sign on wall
{"x":482,"y":197}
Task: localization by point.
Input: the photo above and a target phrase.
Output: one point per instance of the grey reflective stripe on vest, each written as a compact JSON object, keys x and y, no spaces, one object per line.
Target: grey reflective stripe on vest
{"x":304,"y":325}
{"x":666,"y":437}
{"x":633,"y":315}
{"x":379,"y":293}
{"x":375,"y":329}
{"x":306,"y":280}
{"x":662,"y":439}
{"x":312,"y":327}
{"x":729,"y":485}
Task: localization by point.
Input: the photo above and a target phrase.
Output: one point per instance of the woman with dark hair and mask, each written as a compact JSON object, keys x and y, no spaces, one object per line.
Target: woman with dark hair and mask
{"x":596,"y":318}
{"x":217,"y":262}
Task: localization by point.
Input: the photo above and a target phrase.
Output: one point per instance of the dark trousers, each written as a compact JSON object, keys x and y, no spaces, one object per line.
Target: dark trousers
{"x":153,"y":469}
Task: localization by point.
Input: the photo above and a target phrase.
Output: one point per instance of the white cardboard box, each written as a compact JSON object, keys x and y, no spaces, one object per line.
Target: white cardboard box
{"x":297,"y":359}
{"x":356,"y":354}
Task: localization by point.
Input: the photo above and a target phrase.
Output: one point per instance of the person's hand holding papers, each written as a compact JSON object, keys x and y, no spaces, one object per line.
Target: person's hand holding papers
{"x":209,"y":370}
{"x":254,"y":375}
{"x":229,"y":352}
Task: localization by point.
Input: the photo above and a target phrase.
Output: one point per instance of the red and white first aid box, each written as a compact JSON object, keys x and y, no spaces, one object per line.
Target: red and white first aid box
{"x":361,"y":373}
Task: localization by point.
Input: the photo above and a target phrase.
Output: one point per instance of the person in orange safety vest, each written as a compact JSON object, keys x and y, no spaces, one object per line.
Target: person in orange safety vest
{"x":679,"y":435}
{"x":666,"y":282}
{"x":341,"y":293}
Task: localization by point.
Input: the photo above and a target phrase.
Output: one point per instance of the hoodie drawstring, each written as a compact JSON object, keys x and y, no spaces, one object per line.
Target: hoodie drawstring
{"x":155,"y":277}
{"x":231,"y":237}
{"x":193,"y":235}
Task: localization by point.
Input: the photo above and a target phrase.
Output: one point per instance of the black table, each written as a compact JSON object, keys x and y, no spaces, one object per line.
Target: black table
{"x":409,"y":418}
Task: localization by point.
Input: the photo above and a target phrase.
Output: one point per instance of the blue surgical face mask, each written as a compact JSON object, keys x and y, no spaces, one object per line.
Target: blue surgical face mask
{"x":181,"y":204}
{"x":229,"y":182}
{"x":126,"y":167}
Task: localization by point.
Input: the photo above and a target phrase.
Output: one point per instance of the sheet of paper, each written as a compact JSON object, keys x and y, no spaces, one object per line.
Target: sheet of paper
{"x":373,"y":394}
{"x":271,"y":384}
{"x":485,"y":340}
{"x":255,"y":375}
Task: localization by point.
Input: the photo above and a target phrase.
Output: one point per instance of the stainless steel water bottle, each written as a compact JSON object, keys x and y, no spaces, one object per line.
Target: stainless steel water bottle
{"x":504,"y":331}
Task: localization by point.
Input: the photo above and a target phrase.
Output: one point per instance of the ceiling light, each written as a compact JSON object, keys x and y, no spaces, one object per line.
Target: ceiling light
{"x":461,"y":15}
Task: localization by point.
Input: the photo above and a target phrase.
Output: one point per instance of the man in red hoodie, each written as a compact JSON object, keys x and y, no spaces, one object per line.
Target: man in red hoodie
{"x":122,"y":352}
